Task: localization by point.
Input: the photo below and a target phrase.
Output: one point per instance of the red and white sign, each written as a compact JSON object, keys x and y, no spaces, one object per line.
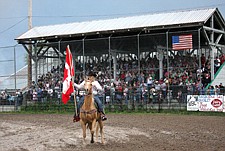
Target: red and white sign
{"x":206,"y":103}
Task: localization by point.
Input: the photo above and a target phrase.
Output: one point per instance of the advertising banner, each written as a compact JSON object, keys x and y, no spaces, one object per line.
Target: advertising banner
{"x":192,"y":103}
{"x":223,"y":104}
{"x":210,"y":103}
{"x":205,"y":103}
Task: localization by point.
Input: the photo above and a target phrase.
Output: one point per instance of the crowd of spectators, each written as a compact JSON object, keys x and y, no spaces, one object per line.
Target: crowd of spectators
{"x":48,"y":86}
{"x":7,"y":97}
{"x":185,"y":76}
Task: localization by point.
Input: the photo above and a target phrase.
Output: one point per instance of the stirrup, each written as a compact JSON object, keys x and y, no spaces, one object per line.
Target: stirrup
{"x":104,"y":118}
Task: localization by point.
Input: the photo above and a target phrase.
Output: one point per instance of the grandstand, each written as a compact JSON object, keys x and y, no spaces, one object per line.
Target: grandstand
{"x":136,"y":35}
{"x":131,"y":50}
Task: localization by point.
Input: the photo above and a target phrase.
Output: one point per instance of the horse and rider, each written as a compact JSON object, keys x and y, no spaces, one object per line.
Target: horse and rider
{"x":96,"y":87}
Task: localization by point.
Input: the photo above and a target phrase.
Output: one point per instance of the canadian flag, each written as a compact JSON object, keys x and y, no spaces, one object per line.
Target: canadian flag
{"x":68,"y":74}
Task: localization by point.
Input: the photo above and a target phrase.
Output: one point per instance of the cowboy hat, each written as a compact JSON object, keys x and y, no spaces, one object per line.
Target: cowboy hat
{"x":91,"y":73}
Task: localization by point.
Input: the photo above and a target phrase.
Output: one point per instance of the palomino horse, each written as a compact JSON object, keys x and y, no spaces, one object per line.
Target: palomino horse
{"x":89,"y":115}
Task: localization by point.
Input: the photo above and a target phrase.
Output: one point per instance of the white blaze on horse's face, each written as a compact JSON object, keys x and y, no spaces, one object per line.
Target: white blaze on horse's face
{"x":88,"y":87}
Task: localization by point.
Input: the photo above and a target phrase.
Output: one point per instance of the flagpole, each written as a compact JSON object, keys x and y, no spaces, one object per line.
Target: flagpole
{"x":75,"y":102}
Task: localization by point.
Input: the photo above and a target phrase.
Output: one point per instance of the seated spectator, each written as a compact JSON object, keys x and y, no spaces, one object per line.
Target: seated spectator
{"x":222,"y":58}
{"x":217,"y":64}
{"x":211,"y":90}
{"x":203,"y":60}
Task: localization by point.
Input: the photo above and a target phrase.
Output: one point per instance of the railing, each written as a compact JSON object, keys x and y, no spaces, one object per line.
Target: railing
{"x":133,"y":100}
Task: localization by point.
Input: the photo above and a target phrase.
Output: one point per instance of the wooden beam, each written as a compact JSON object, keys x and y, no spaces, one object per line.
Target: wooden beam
{"x":213,"y":29}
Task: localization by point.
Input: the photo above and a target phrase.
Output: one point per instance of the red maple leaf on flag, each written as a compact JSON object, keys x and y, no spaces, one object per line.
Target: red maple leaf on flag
{"x":68,"y":76}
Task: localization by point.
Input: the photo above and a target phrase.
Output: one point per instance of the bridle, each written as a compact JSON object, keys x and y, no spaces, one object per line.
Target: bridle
{"x":87,"y":90}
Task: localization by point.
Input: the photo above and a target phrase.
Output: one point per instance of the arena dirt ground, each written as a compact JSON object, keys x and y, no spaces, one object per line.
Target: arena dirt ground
{"x":123,"y":132}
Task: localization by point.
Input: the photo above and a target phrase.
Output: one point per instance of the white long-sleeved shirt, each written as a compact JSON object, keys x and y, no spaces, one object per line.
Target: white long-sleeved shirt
{"x":95,"y":86}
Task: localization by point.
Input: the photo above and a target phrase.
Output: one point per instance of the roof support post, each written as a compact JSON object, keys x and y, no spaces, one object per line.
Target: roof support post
{"x":160,"y":58}
{"x":168,"y":68}
{"x":212,"y":47}
{"x":110,"y":66}
{"x":114,"y":65}
{"x":83,"y":47}
{"x":138,"y":48}
{"x":29,"y":63}
{"x":36,"y":62}
{"x":199,"y":53}
{"x":59,"y":49}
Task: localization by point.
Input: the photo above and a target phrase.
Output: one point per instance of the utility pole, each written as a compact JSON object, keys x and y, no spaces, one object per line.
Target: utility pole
{"x":29,"y":58}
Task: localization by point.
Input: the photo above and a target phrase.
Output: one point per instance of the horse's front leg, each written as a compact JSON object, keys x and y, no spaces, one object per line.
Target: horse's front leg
{"x":83,"y":125}
{"x":100,"y":125}
{"x":93,"y":130}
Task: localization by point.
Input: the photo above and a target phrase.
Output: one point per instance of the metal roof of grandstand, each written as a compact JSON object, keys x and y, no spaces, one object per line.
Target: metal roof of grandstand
{"x":112,"y":25}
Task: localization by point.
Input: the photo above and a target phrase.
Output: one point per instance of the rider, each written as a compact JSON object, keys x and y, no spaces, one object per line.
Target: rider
{"x":96,"y":87}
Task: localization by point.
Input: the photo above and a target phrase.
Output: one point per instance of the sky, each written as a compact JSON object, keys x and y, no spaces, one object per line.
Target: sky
{"x":14,"y":17}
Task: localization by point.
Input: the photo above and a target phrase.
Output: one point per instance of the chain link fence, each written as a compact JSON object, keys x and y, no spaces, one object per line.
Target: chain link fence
{"x":135,"y":99}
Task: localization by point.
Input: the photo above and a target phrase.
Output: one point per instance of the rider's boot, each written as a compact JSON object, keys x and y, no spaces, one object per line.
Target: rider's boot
{"x":103,"y":116}
{"x":76,"y":118}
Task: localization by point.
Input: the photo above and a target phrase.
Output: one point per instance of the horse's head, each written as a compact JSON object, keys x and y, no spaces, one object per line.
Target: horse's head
{"x":88,"y":86}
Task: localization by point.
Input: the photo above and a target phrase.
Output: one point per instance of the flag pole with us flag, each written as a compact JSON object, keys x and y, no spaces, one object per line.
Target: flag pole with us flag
{"x":182,"y":42}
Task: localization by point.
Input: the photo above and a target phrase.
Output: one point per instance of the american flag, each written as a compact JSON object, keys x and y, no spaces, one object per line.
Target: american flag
{"x":182,"y":42}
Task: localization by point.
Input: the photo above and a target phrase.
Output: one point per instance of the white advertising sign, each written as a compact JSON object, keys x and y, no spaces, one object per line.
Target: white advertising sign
{"x":205,"y":103}
{"x":192,"y":103}
{"x":210,"y":103}
{"x":223,"y":105}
